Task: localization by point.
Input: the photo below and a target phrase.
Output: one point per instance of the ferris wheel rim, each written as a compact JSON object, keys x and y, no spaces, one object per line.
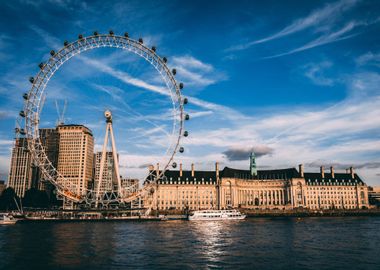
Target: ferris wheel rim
{"x":33,"y":104}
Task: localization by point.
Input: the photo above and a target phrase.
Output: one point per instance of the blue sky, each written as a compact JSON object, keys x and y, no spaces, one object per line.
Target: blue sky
{"x":296,"y":81}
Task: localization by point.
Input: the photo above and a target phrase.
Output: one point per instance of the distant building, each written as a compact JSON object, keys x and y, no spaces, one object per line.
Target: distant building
{"x":262,"y":189}
{"x":130,"y":185}
{"x":2,"y":186}
{"x":20,"y":171}
{"x":187,"y":190}
{"x":23,"y":175}
{"x":109,"y":174}
{"x":75,"y":157}
{"x":50,"y":142}
{"x":374,"y":196}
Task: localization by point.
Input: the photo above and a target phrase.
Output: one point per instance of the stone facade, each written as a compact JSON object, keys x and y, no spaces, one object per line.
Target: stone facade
{"x":268,"y":189}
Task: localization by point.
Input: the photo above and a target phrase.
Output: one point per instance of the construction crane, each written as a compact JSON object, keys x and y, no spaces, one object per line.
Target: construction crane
{"x":61,"y":115}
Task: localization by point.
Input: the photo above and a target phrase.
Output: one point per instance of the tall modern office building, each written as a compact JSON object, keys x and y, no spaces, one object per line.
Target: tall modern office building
{"x":23,"y":175}
{"x":75,"y":157}
{"x":20,"y":171}
{"x":109,"y":174}
{"x":50,"y":141}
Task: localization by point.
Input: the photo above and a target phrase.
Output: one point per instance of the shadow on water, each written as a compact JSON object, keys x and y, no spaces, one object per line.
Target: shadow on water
{"x":256,"y":243}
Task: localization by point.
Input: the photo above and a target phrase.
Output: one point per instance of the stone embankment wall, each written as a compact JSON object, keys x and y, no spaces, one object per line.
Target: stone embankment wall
{"x":291,"y":213}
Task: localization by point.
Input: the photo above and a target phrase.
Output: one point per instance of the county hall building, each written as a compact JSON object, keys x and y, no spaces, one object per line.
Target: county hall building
{"x":260,"y":189}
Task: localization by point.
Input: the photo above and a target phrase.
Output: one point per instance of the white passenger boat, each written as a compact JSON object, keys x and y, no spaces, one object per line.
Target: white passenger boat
{"x":216,"y":215}
{"x":6,"y":219}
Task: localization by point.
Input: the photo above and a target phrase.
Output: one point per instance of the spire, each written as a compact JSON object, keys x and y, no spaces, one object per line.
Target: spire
{"x":252,"y":166}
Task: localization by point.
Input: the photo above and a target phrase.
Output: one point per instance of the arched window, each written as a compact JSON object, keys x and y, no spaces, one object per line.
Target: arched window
{"x":228,"y":194}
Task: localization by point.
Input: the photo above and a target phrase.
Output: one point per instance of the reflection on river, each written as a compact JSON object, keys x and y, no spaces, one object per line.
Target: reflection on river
{"x":261,"y":243}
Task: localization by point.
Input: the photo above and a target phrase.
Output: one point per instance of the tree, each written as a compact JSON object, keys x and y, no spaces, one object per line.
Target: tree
{"x":7,"y":199}
{"x":35,"y":198}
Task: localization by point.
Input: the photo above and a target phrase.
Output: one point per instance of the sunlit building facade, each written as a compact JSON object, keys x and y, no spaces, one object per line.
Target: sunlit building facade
{"x":129,"y":185}
{"x":23,"y":174}
{"x":75,"y":158}
{"x":20,"y":170}
{"x":283,"y":189}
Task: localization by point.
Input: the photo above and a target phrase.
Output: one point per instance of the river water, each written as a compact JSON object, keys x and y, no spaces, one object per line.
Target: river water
{"x":254,"y":243}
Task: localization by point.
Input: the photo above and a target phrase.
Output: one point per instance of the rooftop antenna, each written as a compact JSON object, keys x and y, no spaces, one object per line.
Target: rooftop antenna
{"x":61,"y":115}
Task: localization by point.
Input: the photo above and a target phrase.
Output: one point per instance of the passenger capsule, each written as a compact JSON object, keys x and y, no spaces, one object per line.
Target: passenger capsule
{"x":22,"y":131}
{"x":80,"y":36}
{"x":187,"y":117}
{"x":31,"y":79}
{"x":65,"y":43}
{"x":141,"y":40}
{"x":25,"y":96}
{"x":22,"y":113}
{"x":154,"y":48}
{"x":181,"y":149}
{"x":174,"y":71}
{"x":185,"y":101}
{"x":181,"y":86}
{"x":17,"y":130}
{"x":96,"y":33}
{"x":126,"y":34}
{"x":165,"y":60}
{"x":186,"y":133}
{"x":41,"y":65}
{"x":174,"y":165}
{"x":111,"y":33}
{"x":52,"y":52}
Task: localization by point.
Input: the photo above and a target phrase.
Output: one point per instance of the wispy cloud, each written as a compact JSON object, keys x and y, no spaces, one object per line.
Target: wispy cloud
{"x":315,"y":72}
{"x":369,"y":58}
{"x":324,"y":39}
{"x":315,"y":18}
{"x":196,"y":73}
{"x":185,"y":61}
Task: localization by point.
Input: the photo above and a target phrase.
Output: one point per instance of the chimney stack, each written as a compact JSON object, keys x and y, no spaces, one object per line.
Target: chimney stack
{"x":192,"y":170}
{"x":180,"y":170}
{"x":301,"y":171}
{"x":158,"y":169}
{"x":217,"y":169}
{"x":352,"y":172}
{"x":323,"y":171}
{"x":332,"y":172}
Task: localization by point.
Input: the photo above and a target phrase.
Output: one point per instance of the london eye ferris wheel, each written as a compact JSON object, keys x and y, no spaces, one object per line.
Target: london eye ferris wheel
{"x":30,"y":117}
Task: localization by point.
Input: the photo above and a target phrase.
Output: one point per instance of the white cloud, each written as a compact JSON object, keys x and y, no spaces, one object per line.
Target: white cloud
{"x":324,"y":39}
{"x":369,"y":59}
{"x":317,"y":17}
{"x":192,"y":63}
{"x":315,"y":72}
{"x":196,"y":73}
{"x":340,"y":132}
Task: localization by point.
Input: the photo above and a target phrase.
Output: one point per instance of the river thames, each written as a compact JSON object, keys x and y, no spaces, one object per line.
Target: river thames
{"x":254,"y":243}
